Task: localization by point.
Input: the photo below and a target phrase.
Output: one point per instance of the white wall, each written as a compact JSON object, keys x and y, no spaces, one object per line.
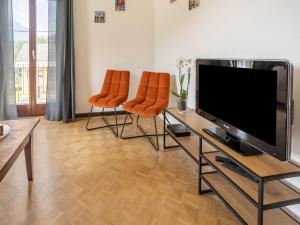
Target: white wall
{"x":125,"y":41}
{"x":231,"y":29}
{"x":152,"y":34}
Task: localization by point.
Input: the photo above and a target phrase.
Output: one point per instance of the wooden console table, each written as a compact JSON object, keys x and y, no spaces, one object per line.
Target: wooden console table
{"x":252,"y":203}
{"x":20,"y":138}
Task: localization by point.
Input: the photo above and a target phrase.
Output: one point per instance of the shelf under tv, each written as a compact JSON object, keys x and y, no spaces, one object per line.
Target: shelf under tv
{"x":253,"y":203}
{"x":244,"y":210}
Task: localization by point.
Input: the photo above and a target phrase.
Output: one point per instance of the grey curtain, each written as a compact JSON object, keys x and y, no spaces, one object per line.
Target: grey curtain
{"x":61,"y":72}
{"x":8,"y":109}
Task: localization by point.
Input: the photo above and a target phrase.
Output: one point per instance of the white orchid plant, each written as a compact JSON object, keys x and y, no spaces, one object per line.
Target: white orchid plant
{"x":184,"y":66}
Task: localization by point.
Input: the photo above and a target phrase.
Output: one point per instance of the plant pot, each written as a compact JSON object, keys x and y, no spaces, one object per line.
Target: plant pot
{"x":181,"y":104}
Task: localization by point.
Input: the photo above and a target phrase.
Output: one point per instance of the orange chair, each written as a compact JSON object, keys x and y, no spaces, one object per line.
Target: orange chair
{"x":151,"y":99}
{"x":113,"y":94}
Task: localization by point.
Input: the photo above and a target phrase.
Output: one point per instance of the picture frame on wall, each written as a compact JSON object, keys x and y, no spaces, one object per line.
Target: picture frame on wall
{"x":193,"y":4}
{"x":99,"y":17}
{"x":120,"y":5}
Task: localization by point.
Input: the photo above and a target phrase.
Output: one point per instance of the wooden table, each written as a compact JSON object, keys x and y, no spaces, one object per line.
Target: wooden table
{"x":20,"y":138}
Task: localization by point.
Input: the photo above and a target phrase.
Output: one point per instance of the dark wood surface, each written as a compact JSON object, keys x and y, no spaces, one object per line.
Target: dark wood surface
{"x":19,"y":139}
{"x":262,"y":165}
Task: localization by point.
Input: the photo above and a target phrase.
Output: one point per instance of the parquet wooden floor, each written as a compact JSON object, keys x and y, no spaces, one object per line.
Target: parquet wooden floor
{"x":92,"y":178}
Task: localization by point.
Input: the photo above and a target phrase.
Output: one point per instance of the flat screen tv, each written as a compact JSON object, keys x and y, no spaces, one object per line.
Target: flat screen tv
{"x":250,"y":101}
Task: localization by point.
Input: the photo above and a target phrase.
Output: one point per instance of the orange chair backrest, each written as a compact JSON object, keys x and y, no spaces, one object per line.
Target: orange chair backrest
{"x":116,"y":83}
{"x":155,"y":88}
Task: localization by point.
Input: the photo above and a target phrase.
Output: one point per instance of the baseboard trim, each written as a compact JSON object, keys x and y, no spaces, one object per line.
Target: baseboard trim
{"x":108,"y":113}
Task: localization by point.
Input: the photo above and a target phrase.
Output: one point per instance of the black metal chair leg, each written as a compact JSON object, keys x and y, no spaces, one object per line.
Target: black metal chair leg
{"x":121,"y":135}
{"x":157,"y":144}
{"x":130,"y":117}
{"x":111,"y":126}
{"x":144,"y":134}
{"x":90,"y":114}
{"x":115,"y":132}
{"x":116,"y":117}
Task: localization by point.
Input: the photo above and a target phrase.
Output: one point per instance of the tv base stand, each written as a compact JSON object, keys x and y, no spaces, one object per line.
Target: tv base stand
{"x":236,"y":144}
{"x":253,"y":203}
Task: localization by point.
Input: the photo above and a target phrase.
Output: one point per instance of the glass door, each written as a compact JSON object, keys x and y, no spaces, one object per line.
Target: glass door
{"x":31,"y":55}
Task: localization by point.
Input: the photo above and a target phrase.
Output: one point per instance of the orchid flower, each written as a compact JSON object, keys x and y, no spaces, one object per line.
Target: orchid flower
{"x":183,"y":65}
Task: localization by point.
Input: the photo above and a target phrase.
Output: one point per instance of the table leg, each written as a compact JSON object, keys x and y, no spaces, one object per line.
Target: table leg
{"x":28,"y":159}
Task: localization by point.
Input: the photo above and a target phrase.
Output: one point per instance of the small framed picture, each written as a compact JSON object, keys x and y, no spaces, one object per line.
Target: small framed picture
{"x":120,"y":5}
{"x":99,"y":16}
{"x":193,"y":4}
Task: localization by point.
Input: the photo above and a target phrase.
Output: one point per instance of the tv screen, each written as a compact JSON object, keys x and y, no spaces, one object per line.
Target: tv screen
{"x":244,"y":98}
{"x":250,"y":99}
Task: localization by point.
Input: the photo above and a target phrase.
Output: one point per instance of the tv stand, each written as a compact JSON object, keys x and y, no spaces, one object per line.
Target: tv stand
{"x":259,"y":202}
{"x":231,"y":141}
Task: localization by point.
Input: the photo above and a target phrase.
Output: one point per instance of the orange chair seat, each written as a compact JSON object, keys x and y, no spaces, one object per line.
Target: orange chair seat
{"x":108,"y":101}
{"x":144,"y":107}
{"x":114,"y":90}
